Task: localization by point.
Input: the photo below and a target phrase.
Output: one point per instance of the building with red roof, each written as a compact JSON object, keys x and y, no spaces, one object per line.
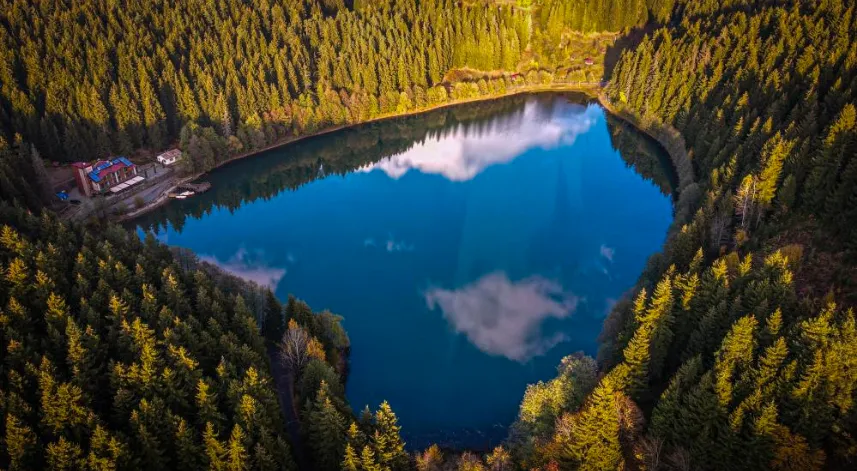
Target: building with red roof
{"x":114,"y":175}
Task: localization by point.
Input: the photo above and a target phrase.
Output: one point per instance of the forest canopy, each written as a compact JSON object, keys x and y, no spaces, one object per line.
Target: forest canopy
{"x":88,"y":79}
{"x":735,"y":350}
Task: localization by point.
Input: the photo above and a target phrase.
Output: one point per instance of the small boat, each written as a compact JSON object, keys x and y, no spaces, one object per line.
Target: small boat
{"x":181,"y":195}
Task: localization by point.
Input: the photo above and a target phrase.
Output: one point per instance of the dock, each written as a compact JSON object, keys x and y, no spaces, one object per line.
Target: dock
{"x":200,"y":187}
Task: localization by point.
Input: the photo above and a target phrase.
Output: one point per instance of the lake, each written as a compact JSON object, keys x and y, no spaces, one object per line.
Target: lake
{"x":469,"y":249}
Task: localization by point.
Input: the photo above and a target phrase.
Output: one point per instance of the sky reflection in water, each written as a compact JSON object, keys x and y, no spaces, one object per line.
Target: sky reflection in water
{"x":504,"y":318}
{"x":462,"y":153}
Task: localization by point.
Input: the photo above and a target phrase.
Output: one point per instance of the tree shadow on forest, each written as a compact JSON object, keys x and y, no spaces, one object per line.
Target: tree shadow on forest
{"x":60,"y":138}
{"x":629,"y":40}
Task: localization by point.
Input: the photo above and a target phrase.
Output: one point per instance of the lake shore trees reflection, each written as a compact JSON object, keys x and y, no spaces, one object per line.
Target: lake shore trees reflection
{"x":362,"y":146}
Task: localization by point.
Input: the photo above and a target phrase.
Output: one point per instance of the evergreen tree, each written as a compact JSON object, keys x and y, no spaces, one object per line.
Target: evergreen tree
{"x":387,"y":440}
{"x":237,"y":458}
{"x":326,"y":431}
{"x":589,"y":440}
{"x":350,"y":462}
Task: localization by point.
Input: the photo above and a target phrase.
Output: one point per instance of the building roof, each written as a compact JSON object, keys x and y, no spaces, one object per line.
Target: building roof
{"x":126,"y":184}
{"x":171,"y":154}
{"x":102,"y":168}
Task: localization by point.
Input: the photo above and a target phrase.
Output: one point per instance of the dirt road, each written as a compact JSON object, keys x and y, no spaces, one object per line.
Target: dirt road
{"x":286,"y":392}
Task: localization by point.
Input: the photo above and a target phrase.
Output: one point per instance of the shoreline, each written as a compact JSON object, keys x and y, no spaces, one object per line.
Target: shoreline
{"x":671,"y":140}
{"x":667,"y":137}
{"x":162,"y":199}
{"x":590,"y":90}
{"x":390,"y":116}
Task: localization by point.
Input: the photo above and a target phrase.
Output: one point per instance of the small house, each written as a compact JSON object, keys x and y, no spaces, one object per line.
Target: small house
{"x":169,"y":157}
{"x":114,"y":175}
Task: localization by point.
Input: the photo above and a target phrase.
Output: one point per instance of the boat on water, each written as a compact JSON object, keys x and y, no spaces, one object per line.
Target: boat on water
{"x":181,"y":195}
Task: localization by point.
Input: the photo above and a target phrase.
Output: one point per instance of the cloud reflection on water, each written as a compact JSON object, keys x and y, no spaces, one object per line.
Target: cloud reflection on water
{"x":607,"y":252}
{"x":501,"y":317}
{"x":248,"y":268}
{"x":463,"y":153}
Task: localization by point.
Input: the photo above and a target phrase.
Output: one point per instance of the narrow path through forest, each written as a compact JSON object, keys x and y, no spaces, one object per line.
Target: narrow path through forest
{"x":286,"y":392}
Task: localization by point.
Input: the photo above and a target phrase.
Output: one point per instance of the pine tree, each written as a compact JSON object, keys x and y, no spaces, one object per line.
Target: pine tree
{"x":21,"y":444}
{"x":666,"y":415}
{"x":326,"y":431}
{"x":645,"y":353}
{"x":774,"y":153}
{"x":350,"y":462}
{"x":637,"y":358}
{"x":387,"y":439}
{"x":736,"y":353}
{"x":499,"y":460}
{"x":214,"y":450}
{"x":107,"y":452}
{"x":237,"y":459}
{"x":206,"y":403}
{"x":64,"y":455}
{"x":367,"y":460}
{"x":430,"y":460}
{"x":828,"y":161}
{"x":62,"y":409}
{"x":187,"y":450}
{"x":589,"y":440}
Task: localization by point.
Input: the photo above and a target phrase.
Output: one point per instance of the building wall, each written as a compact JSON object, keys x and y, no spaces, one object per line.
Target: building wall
{"x":82,"y":181}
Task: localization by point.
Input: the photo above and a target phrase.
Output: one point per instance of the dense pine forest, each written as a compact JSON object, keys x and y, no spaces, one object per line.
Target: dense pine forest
{"x":117,"y":357}
{"x":87,"y":79}
{"x":737,"y":349}
{"x":740,"y":343}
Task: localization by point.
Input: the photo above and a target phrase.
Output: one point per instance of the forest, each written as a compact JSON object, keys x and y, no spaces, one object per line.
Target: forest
{"x":117,"y":357}
{"x":90,"y":79}
{"x":737,"y":348}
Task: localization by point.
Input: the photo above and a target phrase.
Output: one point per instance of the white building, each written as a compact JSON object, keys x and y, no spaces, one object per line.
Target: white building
{"x":169,"y":157}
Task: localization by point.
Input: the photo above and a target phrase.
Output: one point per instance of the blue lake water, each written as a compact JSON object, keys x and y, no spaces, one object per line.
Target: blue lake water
{"x":468,"y":249}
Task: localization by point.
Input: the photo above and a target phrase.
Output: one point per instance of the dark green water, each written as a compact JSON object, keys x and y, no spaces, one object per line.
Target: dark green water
{"x":468,"y":249}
